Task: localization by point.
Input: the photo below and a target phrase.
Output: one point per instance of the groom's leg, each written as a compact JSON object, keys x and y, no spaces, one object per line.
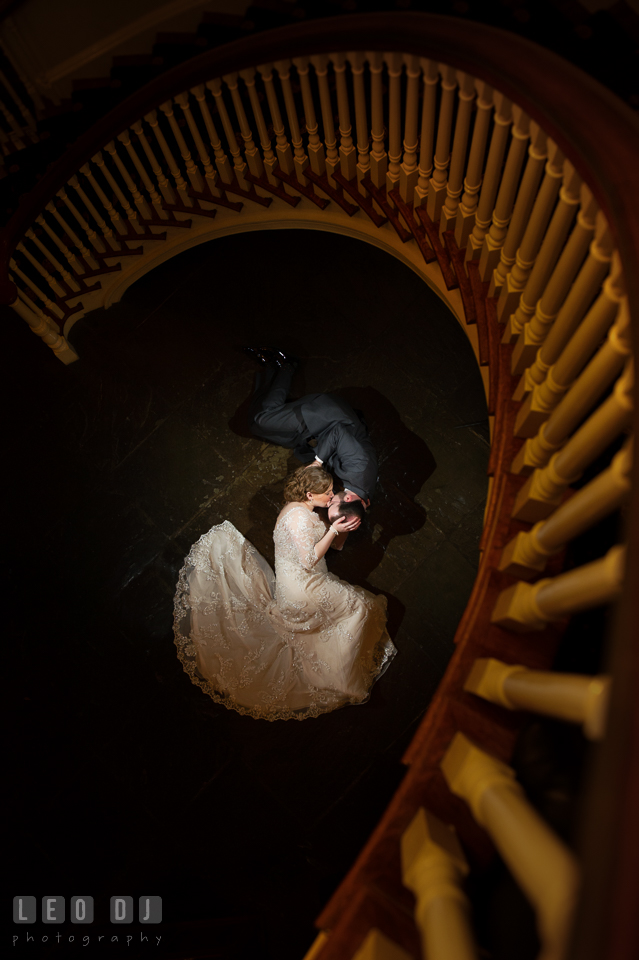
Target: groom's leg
{"x":271,"y":389}
{"x":263,"y":380}
{"x":270,"y":416}
{"x":278,"y":387}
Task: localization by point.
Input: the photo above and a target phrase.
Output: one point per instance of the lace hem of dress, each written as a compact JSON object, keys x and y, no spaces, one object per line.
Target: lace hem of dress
{"x":383,"y":655}
{"x":324,"y":701}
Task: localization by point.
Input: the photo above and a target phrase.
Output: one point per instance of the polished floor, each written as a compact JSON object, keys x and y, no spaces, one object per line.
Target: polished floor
{"x":127,"y":779}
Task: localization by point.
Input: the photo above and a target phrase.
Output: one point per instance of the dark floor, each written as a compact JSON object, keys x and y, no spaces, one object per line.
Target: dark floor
{"x":127,"y":779}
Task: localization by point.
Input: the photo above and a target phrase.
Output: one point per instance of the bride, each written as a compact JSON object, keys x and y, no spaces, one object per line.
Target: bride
{"x":287,"y":646}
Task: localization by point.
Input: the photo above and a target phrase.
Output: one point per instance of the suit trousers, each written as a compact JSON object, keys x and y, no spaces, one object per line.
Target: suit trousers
{"x":270,"y":416}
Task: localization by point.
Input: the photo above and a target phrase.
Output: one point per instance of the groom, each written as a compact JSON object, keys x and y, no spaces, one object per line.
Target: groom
{"x":343,"y":446}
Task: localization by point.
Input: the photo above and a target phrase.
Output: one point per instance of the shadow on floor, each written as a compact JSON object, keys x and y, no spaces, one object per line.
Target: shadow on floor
{"x":125,"y":778}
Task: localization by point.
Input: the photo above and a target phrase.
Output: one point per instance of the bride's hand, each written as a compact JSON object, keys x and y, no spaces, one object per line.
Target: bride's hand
{"x":346,"y":524}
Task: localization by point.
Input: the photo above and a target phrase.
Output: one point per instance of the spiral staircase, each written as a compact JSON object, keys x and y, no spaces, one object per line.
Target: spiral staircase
{"x":509,"y":182}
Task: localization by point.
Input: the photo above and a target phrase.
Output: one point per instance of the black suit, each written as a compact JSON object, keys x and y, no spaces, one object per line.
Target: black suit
{"x":343,"y":445}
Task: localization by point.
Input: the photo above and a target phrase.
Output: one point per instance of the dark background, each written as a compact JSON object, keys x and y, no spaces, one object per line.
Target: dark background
{"x":123,"y":778}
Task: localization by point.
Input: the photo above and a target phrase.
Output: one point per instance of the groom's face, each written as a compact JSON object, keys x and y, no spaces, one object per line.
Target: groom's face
{"x":339,"y":498}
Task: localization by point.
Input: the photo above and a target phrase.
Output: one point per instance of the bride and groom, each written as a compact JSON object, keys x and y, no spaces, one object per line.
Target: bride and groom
{"x":296,"y":642}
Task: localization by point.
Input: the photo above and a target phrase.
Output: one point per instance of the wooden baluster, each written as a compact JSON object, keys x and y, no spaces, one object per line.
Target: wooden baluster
{"x":363,"y":169}
{"x":107,"y":232}
{"x":430,"y":75}
{"x":517,"y":278}
{"x":43,"y":328}
{"x":156,"y":200}
{"x":579,"y":298}
{"x":42,"y":295}
{"x":546,"y":395}
{"x":545,"y":488}
{"x":542,"y":865}
{"x":584,"y":393}
{"x":68,"y":278}
{"x":556,"y":290}
{"x":394,"y":70}
{"x":347,"y":151}
{"x":29,"y":119}
{"x":454,"y":187}
{"x":239,"y":167}
{"x":300,"y":160}
{"x":282,"y":146}
{"x":379,"y":158}
{"x":377,"y":946}
{"x":531,"y":606}
{"x":526,"y":195}
{"x":433,"y":867}
{"x":15,"y":133}
{"x":112,"y":212}
{"x":94,"y":239}
{"x":549,"y":250}
{"x":222,"y":162}
{"x":318,"y":944}
{"x":140,"y":202}
{"x":34,"y":94}
{"x":192,"y":171}
{"x":472,"y":181}
{"x":320,"y":64}
{"x":502,"y":118}
{"x":210,"y":175}
{"x":4,"y":144}
{"x":165,"y":187}
{"x":181,"y":184}
{"x":566,"y":696}
{"x":52,"y":282}
{"x":494,"y":239}
{"x":315,"y":145}
{"x":129,"y":212}
{"x":76,"y":267}
{"x":270,"y":160}
{"x":251,"y":152}
{"x":439,"y":179}
{"x":526,"y":554}
{"x":409,"y":173}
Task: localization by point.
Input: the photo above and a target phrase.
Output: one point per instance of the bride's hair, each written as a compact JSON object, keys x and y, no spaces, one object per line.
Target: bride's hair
{"x":313,"y":479}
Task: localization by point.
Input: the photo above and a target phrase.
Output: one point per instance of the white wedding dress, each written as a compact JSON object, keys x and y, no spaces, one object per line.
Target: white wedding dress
{"x":282,"y":647}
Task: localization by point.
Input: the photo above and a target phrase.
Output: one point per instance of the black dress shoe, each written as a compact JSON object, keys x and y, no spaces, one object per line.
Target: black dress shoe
{"x":261,"y":355}
{"x":266,"y":355}
{"x":281,"y":358}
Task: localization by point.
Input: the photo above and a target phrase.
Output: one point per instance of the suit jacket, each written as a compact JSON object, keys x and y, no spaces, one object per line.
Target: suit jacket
{"x":342,"y":439}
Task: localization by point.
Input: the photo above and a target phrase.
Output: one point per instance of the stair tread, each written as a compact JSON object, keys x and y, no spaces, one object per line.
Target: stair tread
{"x":379,"y":195}
{"x":457,"y":257}
{"x":480,"y":289}
{"x":432,"y":231}
{"x":417,"y":230}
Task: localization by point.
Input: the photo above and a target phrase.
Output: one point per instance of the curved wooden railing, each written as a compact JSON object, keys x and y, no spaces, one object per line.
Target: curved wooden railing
{"x":510,"y":182}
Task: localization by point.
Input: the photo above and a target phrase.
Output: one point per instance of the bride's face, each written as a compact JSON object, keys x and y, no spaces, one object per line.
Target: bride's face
{"x":321,"y":499}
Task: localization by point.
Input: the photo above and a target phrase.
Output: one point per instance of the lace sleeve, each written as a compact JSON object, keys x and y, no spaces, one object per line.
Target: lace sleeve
{"x":302,"y":532}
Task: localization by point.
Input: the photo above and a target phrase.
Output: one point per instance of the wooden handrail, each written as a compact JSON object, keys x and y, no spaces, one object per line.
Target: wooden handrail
{"x":595,"y":129}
